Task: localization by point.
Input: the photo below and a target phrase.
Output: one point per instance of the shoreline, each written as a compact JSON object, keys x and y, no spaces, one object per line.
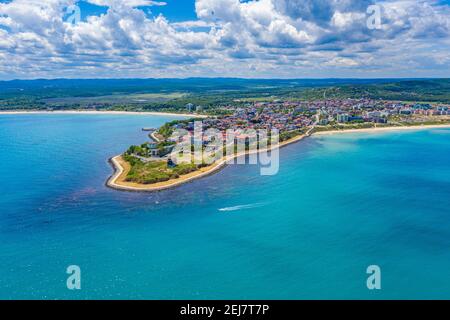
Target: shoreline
{"x":383,"y":129}
{"x":111,"y":112}
{"x":120,"y":172}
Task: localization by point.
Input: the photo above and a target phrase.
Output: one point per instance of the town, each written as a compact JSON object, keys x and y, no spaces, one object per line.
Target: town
{"x":291,"y":119}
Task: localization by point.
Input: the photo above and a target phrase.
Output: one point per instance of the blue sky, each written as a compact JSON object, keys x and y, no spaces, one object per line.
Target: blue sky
{"x":174,"y":11}
{"x":224,"y":38}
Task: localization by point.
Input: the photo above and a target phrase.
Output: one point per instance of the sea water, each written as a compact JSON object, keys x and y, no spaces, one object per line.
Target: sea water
{"x":339,"y":204}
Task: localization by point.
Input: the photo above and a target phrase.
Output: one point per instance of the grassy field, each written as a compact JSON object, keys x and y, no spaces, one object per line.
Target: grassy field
{"x":143,"y":98}
{"x":155,"y":171}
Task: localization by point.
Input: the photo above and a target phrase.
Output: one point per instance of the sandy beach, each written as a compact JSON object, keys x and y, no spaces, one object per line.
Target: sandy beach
{"x":383,"y":129}
{"x":121,"y":167}
{"x":169,"y":114}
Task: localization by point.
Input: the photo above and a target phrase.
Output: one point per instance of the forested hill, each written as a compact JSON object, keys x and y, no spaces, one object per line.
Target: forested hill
{"x":173,"y":94}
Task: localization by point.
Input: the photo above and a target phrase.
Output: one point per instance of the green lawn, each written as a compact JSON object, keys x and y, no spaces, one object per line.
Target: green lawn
{"x":156,"y":171}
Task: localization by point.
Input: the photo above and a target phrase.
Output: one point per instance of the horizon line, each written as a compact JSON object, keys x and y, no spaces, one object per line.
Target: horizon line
{"x":230,"y":78}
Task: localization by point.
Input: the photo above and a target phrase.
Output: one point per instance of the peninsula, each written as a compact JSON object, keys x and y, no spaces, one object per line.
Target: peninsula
{"x":149,"y":167}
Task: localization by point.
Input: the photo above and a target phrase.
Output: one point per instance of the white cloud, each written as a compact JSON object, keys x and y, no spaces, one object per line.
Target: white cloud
{"x":129,"y":3}
{"x":287,"y":38}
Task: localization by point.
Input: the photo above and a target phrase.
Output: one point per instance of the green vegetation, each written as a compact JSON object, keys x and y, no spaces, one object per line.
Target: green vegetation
{"x":172,"y":95}
{"x":156,"y":171}
{"x":166,"y":130}
{"x":349,"y":126}
{"x":141,"y":150}
{"x":291,"y":134}
{"x":426,"y":91}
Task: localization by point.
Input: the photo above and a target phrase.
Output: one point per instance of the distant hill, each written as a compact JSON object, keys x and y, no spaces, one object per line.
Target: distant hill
{"x":172,"y":94}
{"x":75,"y":87}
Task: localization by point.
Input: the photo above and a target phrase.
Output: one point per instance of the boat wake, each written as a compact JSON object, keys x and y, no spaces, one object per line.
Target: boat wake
{"x":242,"y":207}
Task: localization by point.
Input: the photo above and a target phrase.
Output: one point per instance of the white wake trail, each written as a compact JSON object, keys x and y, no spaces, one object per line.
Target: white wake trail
{"x":242,"y":207}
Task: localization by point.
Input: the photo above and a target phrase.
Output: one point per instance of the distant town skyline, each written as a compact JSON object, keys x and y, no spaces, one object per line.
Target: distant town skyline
{"x":224,"y":38}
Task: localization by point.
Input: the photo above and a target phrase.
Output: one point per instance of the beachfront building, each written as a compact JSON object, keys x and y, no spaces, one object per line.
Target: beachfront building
{"x":342,"y":118}
{"x":189,"y":107}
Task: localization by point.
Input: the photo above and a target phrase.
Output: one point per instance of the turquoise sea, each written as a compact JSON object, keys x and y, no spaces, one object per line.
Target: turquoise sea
{"x":339,"y":204}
